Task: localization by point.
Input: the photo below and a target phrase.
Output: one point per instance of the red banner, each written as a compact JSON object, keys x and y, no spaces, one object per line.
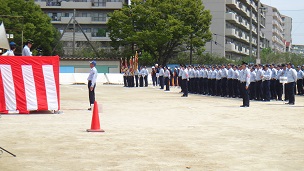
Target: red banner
{"x":29,"y":83}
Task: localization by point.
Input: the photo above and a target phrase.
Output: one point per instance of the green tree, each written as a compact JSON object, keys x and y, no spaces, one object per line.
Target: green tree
{"x":36,"y":25}
{"x":160,"y":27}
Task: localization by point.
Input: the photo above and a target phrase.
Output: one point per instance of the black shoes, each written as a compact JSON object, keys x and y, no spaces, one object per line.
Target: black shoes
{"x":89,"y":108}
{"x":290,"y":103}
{"x":184,"y":96}
{"x":244,"y":106}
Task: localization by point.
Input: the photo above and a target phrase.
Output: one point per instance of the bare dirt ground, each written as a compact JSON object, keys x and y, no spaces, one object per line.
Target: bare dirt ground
{"x":148,"y":129}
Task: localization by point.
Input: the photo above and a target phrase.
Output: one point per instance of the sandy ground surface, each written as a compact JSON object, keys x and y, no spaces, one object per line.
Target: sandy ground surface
{"x":149,"y":129}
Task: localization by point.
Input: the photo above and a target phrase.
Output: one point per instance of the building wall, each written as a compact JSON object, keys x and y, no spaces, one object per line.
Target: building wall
{"x":92,"y":16}
{"x":274,"y":29}
{"x":73,"y":66}
{"x":231,"y":27}
{"x":287,"y":27}
{"x":217,"y":9}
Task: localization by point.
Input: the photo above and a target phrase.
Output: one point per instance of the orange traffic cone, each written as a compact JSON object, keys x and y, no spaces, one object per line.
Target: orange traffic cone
{"x":95,"y":126}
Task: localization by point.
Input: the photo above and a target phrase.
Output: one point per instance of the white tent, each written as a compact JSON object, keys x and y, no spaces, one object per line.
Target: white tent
{"x":3,"y":39}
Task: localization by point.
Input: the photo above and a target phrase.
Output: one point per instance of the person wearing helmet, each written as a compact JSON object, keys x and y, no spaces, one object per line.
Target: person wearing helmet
{"x":10,"y":52}
{"x":27,"y":48}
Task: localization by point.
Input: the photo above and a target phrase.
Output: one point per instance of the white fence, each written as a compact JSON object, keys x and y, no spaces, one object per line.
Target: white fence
{"x":81,"y":78}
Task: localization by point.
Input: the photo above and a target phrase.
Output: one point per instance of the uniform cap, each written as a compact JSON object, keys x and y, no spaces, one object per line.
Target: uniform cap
{"x":12,"y":44}
{"x":30,"y":41}
{"x":244,"y":63}
{"x":93,"y":62}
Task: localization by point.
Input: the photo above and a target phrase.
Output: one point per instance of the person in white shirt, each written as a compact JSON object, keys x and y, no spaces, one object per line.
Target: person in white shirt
{"x":27,"y":48}
{"x":92,"y":83}
{"x":244,"y":83}
{"x":185,"y":80}
{"x":300,"y":76}
{"x":167,"y":78}
{"x":291,"y":75}
{"x":252,"y":92}
{"x":266,"y":77}
{"x":161,"y":77}
{"x":11,"y":51}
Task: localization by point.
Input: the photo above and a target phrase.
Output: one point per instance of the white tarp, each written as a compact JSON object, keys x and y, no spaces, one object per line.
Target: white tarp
{"x":3,"y":39}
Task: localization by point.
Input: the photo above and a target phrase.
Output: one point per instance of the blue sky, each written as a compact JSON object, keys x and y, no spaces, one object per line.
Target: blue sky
{"x":295,"y":10}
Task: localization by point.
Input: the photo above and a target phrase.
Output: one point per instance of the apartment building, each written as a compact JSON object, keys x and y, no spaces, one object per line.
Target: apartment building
{"x":234,"y":27}
{"x":92,"y":15}
{"x":287,"y":29}
{"x":298,"y":49}
{"x":274,"y":29}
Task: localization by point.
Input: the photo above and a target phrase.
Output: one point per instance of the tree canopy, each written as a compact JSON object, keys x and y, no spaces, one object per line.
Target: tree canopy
{"x":161,"y":28}
{"x":26,"y":16}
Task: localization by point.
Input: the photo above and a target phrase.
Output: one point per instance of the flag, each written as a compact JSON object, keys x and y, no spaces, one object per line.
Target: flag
{"x":131,"y":62}
{"x":29,"y":83}
{"x":136,"y":60}
{"x":126,"y":63}
{"x":3,"y":39}
{"x":121,"y":65}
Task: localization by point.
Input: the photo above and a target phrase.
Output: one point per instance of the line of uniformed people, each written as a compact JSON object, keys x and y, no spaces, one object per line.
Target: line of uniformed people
{"x":135,"y":78}
{"x":224,"y":81}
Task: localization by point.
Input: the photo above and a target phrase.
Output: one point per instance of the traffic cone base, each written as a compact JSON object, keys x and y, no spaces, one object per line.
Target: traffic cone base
{"x":95,"y":130}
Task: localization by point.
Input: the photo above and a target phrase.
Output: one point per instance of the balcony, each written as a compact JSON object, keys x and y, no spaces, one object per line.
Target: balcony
{"x":277,"y":17}
{"x":233,"y":4}
{"x":232,"y":17}
{"x":80,"y":20}
{"x":231,"y":32}
{"x":68,"y":36}
{"x":79,"y":5}
{"x":231,"y":47}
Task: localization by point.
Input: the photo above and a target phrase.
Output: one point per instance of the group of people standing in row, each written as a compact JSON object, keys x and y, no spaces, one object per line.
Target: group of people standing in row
{"x":250,"y":82}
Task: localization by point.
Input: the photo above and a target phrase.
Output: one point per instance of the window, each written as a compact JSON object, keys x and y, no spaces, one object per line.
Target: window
{"x":99,"y":2}
{"x":99,"y":17}
{"x":84,"y":14}
{"x":99,"y":32}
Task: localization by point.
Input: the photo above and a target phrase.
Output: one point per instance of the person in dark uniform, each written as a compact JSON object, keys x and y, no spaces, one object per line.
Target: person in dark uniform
{"x":300,"y":76}
{"x":161,"y":77}
{"x":244,"y":83}
{"x":291,"y":75}
{"x":125,"y":77}
{"x":258,"y":83}
{"x":146,"y":74}
{"x":235,"y":82}
{"x":273,"y":82}
{"x":224,"y":84}
{"x":167,"y":78}
{"x":279,"y":86}
{"x":252,"y":91}
{"x":153,"y":75}
{"x":185,"y":80}
{"x":141,"y":78}
{"x":266,"y":76}
{"x":230,"y":80}
{"x":92,"y":83}
{"x":136,"y":76}
{"x":175,"y":76}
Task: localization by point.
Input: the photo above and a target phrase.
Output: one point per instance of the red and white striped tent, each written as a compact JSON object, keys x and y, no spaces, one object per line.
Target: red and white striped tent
{"x":29,"y":83}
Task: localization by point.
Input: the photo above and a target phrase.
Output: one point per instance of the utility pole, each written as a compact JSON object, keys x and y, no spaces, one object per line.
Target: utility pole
{"x":258,"y":59}
{"x":74,"y":32}
{"x":211,"y":47}
{"x":250,"y":35}
{"x":191,"y":49}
